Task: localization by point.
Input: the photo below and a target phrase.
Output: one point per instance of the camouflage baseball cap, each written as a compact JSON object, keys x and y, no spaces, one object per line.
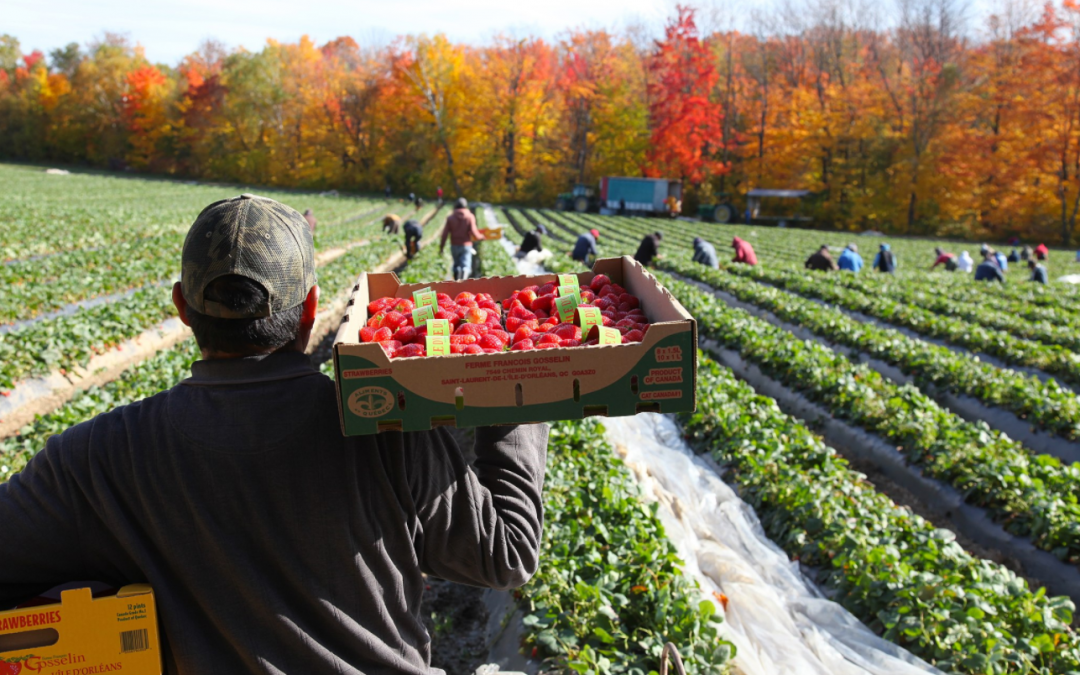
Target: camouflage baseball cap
{"x":252,"y":237}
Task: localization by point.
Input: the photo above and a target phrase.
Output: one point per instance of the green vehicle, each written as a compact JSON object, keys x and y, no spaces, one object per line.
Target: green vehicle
{"x":581,"y":199}
{"x":722,"y":211}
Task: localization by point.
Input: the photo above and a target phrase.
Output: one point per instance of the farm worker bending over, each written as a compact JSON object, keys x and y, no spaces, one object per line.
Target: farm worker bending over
{"x":461,"y":229}
{"x":944,"y":258}
{"x":850,"y":259}
{"x":272,"y":542}
{"x":649,"y":248}
{"x":585,"y":246}
{"x":530,"y":242}
{"x":705,"y":253}
{"x":964,"y":263}
{"x":821,"y":260}
{"x":414,"y":232}
{"x":744,"y":252}
{"x":1041,"y":252}
{"x":988,"y":269}
{"x":885,"y":261}
{"x":391,"y":223}
{"x":309,"y":216}
{"x":1038,"y":272}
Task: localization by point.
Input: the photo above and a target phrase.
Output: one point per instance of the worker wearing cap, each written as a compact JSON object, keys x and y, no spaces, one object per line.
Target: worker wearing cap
{"x":585,"y":246}
{"x":272,"y":542}
{"x":460,"y":229}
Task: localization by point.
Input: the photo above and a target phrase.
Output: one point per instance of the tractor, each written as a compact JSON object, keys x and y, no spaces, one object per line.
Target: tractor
{"x":582,"y":199}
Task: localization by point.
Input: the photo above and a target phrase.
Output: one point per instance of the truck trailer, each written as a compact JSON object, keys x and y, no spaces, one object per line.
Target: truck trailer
{"x":639,"y":195}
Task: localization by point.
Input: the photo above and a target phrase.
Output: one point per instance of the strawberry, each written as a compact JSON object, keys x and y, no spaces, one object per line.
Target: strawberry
{"x":627,"y":322}
{"x":548,"y":345}
{"x":523,"y":333}
{"x":465,"y":339}
{"x":441,"y":297}
{"x":569,"y":343}
{"x":408,"y":351}
{"x":515,"y":324}
{"x":390,"y":347}
{"x":484,"y":297}
{"x":404,"y":305}
{"x":543,"y":303}
{"x":382,"y":335}
{"x":548,"y":338}
{"x":406,"y":334}
{"x":599,"y":281}
{"x":476,"y":315}
{"x":501,"y":335}
{"x":632,"y":300}
{"x":376,"y":320}
{"x":376,"y":306}
{"x":474,"y":349}
{"x":587,"y":297}
{"x":547,"y":326}
{"x":492,"y":351}
{"x":606,"y":291}
{"x":10,"y":667}
{"x":393,"y":319}
{"x":634,"y":335}
{"x":476,"y":329}
{"x":522,"y":346}
{"x":527,"y":296}
{"x":488,"y":304}
{"x":489,"y":341}
{"x":546,"y":289}
{"x":367,"y":334}
{"x":457,"y":349}
{"x":568,"y":331}
{"x":625,"y":307}
{"x":464,"y":297}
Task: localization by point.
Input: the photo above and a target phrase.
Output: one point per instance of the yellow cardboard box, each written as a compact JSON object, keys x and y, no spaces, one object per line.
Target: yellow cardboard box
{"x":83,"y":636}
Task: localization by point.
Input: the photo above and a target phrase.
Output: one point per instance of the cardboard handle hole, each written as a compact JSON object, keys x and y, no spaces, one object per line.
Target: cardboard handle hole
{"x":31,"y":639}
{"x":519,"y":397}
{"x":401,"y":400}
{"x":595,"y":410}
{"x":633,"y":384}
{"x":459,"y":398}
{"x":577,"y":390}
{"x":648,"y":407}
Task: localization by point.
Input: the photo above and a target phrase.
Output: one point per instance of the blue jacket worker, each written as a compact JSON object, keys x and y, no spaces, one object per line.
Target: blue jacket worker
{"x":850,"y":259}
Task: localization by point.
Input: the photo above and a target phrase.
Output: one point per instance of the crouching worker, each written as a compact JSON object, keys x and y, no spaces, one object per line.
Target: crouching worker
{"x":272,"y":542}
{"x":705,"y":253}
{"x":744,"y":252}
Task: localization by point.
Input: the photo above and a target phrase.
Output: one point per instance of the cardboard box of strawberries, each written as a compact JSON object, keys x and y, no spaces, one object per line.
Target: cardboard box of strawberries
{"x":505,"y":350}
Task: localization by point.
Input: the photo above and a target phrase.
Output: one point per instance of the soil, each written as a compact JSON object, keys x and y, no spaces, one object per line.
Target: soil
{"x":456,"y":618}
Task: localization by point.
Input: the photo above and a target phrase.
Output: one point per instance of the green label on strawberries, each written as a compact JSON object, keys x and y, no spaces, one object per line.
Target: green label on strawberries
{"x":565,"y":306}
{"x":438,"y":327}
{"x":568,"y":280}
{"x":439,"y":345}
{"x":422,"y":314}
{"x":570,"y":290}
{"x":589,"y":317}
{"x":425,"y":297}
{"x":610,"y":336}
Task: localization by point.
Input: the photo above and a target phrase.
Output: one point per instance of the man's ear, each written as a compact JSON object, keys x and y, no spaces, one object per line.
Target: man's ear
{"x":180,"y":302}
{"x":311,"y":306}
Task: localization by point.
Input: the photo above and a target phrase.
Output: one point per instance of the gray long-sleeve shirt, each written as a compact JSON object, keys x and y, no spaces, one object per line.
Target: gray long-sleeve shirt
{"x":273,"y":543}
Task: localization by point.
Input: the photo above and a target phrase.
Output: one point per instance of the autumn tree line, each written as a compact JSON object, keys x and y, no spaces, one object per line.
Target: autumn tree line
{"x":914,"y":122}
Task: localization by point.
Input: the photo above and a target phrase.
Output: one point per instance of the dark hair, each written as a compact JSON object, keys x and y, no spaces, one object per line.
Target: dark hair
{"x":658,"y":235}
{"x":243,"y":336}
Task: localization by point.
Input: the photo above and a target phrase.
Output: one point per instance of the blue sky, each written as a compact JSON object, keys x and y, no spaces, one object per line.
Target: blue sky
{"x":169,"y":29}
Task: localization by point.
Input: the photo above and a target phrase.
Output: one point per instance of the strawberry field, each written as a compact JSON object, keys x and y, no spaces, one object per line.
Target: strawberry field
{"x":902,"y":446}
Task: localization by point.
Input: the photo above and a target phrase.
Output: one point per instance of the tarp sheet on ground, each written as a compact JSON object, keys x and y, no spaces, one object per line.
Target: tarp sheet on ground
{"x":779,"y":621}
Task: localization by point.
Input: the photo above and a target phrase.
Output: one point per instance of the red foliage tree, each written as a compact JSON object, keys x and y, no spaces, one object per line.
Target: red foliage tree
{"x":687,"y":125}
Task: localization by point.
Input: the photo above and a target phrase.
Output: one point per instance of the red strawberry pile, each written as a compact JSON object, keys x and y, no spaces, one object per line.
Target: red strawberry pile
{"x":477,"y":327}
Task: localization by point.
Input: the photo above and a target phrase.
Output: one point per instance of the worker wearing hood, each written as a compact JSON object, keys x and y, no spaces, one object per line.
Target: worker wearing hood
{"x":705,"y":253}
{"x":885,"y":261}
{"x":850,"y":259}
{"x":744,"y":252}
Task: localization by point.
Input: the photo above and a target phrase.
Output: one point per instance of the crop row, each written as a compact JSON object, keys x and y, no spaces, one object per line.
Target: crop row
{"x":908,"y":581}
{"x":1031,"y":495}
{"x":1055,"y":360}
{"x":46,"y":284}
{"x":1048,"y":405}
{"x":610,"y":590}
{"x":42,"y":214}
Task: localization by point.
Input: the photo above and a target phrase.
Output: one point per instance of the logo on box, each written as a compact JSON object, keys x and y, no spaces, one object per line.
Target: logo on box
{"x":371,"y":402}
